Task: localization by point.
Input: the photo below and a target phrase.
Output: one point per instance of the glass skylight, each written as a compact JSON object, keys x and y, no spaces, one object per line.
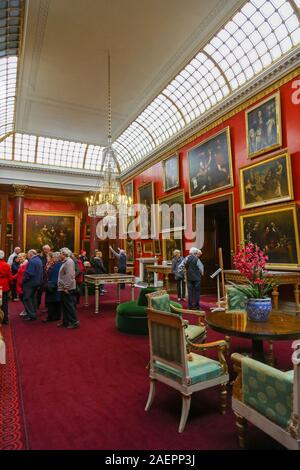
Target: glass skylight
{"x":93,"y":157}
{"x":6,"y":148}
{"x":25,"y":148}
{"x":62,"y":153}
{"x":8,"y":80}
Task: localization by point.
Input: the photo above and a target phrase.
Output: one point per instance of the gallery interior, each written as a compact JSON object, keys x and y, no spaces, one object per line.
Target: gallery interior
{"x":110,"y":106}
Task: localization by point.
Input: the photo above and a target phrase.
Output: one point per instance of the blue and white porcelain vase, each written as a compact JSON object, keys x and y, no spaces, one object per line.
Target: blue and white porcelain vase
{"x":258,"y":309}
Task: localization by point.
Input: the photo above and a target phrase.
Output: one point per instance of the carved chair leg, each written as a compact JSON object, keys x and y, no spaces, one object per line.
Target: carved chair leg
{"x":186,"y":403}
{"x":223,"y":388}
{"x":242,"y":428}
{"x":151,"y":394}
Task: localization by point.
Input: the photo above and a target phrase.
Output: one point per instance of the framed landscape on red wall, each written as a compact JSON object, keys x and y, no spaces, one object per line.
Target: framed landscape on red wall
{"x":55,"y":229}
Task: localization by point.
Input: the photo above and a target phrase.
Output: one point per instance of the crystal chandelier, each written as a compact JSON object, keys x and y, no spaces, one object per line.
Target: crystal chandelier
{"x":106,"y":200}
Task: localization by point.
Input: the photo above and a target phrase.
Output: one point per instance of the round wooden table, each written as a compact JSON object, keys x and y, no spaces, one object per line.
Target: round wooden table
{"x":279,"y":326}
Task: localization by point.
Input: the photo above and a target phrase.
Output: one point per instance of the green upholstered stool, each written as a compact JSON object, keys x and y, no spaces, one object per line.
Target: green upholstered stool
{"x":131,"y":317}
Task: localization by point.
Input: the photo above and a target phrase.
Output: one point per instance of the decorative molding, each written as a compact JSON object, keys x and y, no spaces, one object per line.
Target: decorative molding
{"x":272,"y":79}
{"x":19,"y":190}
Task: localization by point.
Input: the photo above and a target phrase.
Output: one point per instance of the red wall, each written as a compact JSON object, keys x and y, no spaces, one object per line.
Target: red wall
{"x":290,"y":119}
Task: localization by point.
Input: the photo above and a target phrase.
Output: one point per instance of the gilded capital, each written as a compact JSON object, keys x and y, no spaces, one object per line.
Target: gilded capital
{"x":19,"y":190}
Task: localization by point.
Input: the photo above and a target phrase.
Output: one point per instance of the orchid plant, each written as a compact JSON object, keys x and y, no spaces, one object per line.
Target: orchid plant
{"x":251,"y":262}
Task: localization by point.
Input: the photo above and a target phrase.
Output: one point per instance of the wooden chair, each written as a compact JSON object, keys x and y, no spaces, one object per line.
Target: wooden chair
{"x":186,"y":372}
{"x":268,"y":398}
{"x":160,"y":300}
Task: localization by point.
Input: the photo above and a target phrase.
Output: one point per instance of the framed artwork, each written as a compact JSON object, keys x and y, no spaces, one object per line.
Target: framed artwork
{"x":9,"y":229}
{"x":169,"y":245}
{"x":139,"y":248}
{"x":210,"y":165}
{"x":148,"y":247}
{"x":51,"y":228}
{"x":156,"y":245}
{"x":267,"y":182}
{"x":177,"y":218}
{"x":86,"y":245}
{"x":171,"y":172}
{"x":129,"y":248}
{"x":128,"y":190}
{"x":263,"y":126}
{"x":87,"y":233}
{"x":274,"y":229}
{"x":146,"y":197}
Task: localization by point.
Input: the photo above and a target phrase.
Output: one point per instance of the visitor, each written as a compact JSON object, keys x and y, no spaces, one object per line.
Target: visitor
{"x":53,"y":296}
{"x":122,"y":262}
{"x":67,"y":287}
{"x":44,"y":258}
{"x":179,"y":275}
{"x":15,"y":253}
{"x":5,"y":280}
{"x":194,"y":270}
{"x":99,"y":268}
{"x":19,"y":278}
{"x":32,"y":282}
{"x":83,"y":257}
{"x":14,"y":269}
{"x":79,"y":277}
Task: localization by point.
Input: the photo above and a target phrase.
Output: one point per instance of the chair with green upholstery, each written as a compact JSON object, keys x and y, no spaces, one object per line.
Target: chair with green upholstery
{"x":171,"y":364}
{"x":160,"y":300}
{"x":131,"y":317}
{"x":268,"y":398}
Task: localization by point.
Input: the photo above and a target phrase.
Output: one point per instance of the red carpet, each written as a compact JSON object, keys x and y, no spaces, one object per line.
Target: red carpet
{"x":12,"y":429}
{"x":87,"y":389}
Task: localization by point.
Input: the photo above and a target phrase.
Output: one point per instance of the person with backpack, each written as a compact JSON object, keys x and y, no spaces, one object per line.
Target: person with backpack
{"x":179,"y":275}
{"x":194,"y":271}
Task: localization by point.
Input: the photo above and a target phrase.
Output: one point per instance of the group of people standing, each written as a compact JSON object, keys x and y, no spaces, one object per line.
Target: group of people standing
{"x":188,"y":270}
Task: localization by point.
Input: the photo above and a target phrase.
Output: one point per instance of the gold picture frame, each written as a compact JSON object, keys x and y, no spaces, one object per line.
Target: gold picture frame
{"x":275,"y":230}
{"x":210,"y":165}
{"x":63,"y":225}
{"x":268,"y":181}
{"x":156,"y":247}
{"x":171,"y":174}
{"x":171,"y":244}
{"x":177,"y":197}
{"x":148,"y":200}
{"x":263,"y":126}
{"x":128,"y":191}
{"x":138,"y":246}
{"x":148,"y":247}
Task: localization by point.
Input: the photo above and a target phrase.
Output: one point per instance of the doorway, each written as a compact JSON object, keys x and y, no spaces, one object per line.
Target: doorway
{"x":218,"y":233}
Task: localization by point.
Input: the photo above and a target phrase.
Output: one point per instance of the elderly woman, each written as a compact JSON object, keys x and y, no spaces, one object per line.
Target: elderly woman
{"x":67,"y":286}
{"x":5,"y":280}
{"x":18,"y":277}
{"x":53,"y":297}
{"x":179,"y":275}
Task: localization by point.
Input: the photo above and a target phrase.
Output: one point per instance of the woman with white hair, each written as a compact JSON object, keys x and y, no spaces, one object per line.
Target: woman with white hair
{"x":179,"y":275}
{"x":5,"y":280}
{"x":194,"y":270}
{"x":67,"y":287}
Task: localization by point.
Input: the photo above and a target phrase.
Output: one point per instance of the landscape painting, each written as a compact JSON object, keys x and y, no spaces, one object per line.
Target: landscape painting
{"x":263,"y":126}
{"x":210,"y":165}
{"x":54,"y":229}
{"x":276,"y":231}
{"x":267,"y":182}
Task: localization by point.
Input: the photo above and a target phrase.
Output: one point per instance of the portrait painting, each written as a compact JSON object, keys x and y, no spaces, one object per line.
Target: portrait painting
{"x":267,"y":182}
{"x":176,"y":219}
{"x":9,"y":229}
{"x":263,"y":126}
{"x":171,"y":172}
{"x":139,"y":248}
{"x":129,"y":248}
{"x":87,"y":233}
{"x":146,"y":197}
{"x":157,"y":249}
{"x":54,"y":229}
{"x":169,"y":245}
{"x":148,"y":247}
{"x":128,"y":190}
{"x":210,"y":165}
{"x":276,"y":231}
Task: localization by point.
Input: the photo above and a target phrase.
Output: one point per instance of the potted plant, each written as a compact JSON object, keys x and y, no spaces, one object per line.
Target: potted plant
{"x":251,"y":262}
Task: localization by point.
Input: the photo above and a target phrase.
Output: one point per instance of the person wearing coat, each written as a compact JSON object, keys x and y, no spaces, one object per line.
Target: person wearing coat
{"x":194,"y":271}
{"x":5,"y":280}
{"x":18,"y":277}
{"x":53,"y":296}
{"x":99,"y":268}
{"x":179,"y":275}
{"x":32,"y":281}
{"x":122,"y":262}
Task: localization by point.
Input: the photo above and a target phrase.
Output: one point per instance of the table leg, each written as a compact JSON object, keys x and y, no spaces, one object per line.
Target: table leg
{"x":86,"y":295}
{"x":132,"y":291}
{"x":275,"y":295}
{"x":258,"y":350}
{"x":296,"y":293}
{"x":96,"y":299}
{"x":166,"y":283}
{"x":119,"y":293}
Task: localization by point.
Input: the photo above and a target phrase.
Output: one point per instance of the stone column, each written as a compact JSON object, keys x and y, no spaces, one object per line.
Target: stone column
{"x":94,"y":240}
{"x":18,"y":228}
